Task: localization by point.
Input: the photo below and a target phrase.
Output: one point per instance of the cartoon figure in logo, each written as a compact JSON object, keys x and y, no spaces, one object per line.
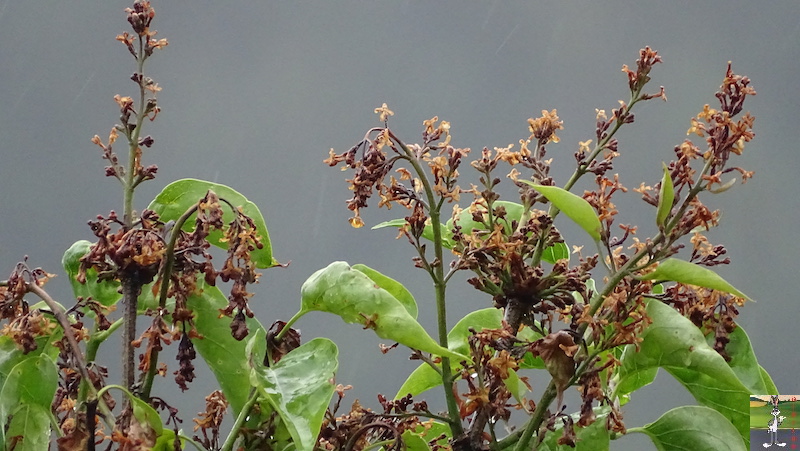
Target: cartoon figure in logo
{"x":774,"y":423}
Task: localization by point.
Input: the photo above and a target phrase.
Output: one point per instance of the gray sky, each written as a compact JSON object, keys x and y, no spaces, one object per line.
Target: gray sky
{"x":255,"y":93}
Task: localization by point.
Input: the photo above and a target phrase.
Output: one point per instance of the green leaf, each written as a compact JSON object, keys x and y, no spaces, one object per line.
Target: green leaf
{"x":594,"y":437}
{"x":514,"y":210}
{"x":556,"y":252}
{"x":672,"y":342}
{"x":636,"y":380}
{"x":352,"y":295}
{"x":146,"y":415}
{"x":25,"y":396}
{"x":414,"y":442}
{"x":666,"y":197}
{"x":225,"y":356}
{"x":692,"y":274}
{"x":516,"y":386}
{"x":768,"y":383}
{"x":299,"y":387}
{"x":468,"y":223}
{"x":424,"y":377}
{"x":743,"y":360}
{"x":427,"y":232}
{"x":105,"y":292}
{"x":696,"y":428}
{"x":179,"y":196}
{"x":574,"y":206}
{"x":394,"y":288}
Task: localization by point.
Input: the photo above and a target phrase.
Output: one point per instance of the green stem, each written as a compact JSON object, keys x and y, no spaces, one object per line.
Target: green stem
{"x":240,"y":419}
{"x":166,"y":272}
{"x":80,"y":363}
{"x":536,"y":419}
{"x":440,"y":288}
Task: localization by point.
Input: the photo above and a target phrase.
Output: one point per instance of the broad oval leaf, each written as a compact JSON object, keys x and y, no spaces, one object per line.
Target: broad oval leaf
{"x":177,"y":197}
{"x":105,"y":292}
{"x":594,"y":437}
{"x":693,"y":427}
{"x":394,"y":288}
{"x":468,"y":224}
{"x":25,"y":400}
{"x":743,"y":361}
{"x":225,"y":356}
{"x":574,"y":206}
{"x":414,"y":442}
{"x":427,"y":232}
{"x":666,"y":197}
{"x":351,"y":294}
{"x":556,"y":252}
{"x":691,"y":274}
{"x":674,"y":343}
{"x":299,"y":387}
{"x":424,"y":377}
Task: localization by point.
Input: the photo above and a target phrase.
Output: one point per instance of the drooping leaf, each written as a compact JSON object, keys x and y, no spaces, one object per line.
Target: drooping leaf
{"x":693,"y":428}
{"x":691,"y":274}
{"x":743,"y":360}
{"x":424,"y":377}
{"x":515,"y":386}
{"x":146,"y":415}
{"x":674,"y":343}
{"x":556,"y":252}
{"x":769,"y":385}
{"x":177,"y":197}
{"x":414,"y":442}
{"x":354,"y":297}
{"x":594,"y":437}
{"x":299,"y":387}
{"x":394,"y":288}
{"x":666,"y":197}
{"x":105,"y":292}
{"x":635,"y":381}
{"x":427,"y":232}
{"x":225,"y":356}
{"x":25,"y":399}
{"x":574,"y":206}
{"x":468,"y":224}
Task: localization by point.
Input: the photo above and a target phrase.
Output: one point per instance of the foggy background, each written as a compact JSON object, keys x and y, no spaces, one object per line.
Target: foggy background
{"x":256,"y":93}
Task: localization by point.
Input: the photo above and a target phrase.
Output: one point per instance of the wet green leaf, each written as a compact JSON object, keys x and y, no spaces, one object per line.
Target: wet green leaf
{"x":299,"y":387}
{"x":515,"y":386}
{"x":424,"y":377}
{"x":225,"y":356}
{"x":666,"y":197}
{"x":672,"y":342}
{"x":146,"y":415}
{"x":25,"y":397}
{"x":743,"y":360}
{"x":768,"y":383}
{"x":177,"y":197}
{"x":695,"y":428}
{"x":352,"y":295}
{"x":574,"y":206}
{"x":104,"y":292}
{"x":468,"y":224}
{"x":556,"y":252}
{"x":394,"y":288}
{"x":594,"y":437}
{"x":691,"y":274}
{"x":414,"y":442}
{"x":427,"y":233}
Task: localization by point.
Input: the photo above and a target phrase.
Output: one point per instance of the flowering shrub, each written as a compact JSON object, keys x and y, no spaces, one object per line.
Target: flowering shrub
{"x":602,"y":320}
